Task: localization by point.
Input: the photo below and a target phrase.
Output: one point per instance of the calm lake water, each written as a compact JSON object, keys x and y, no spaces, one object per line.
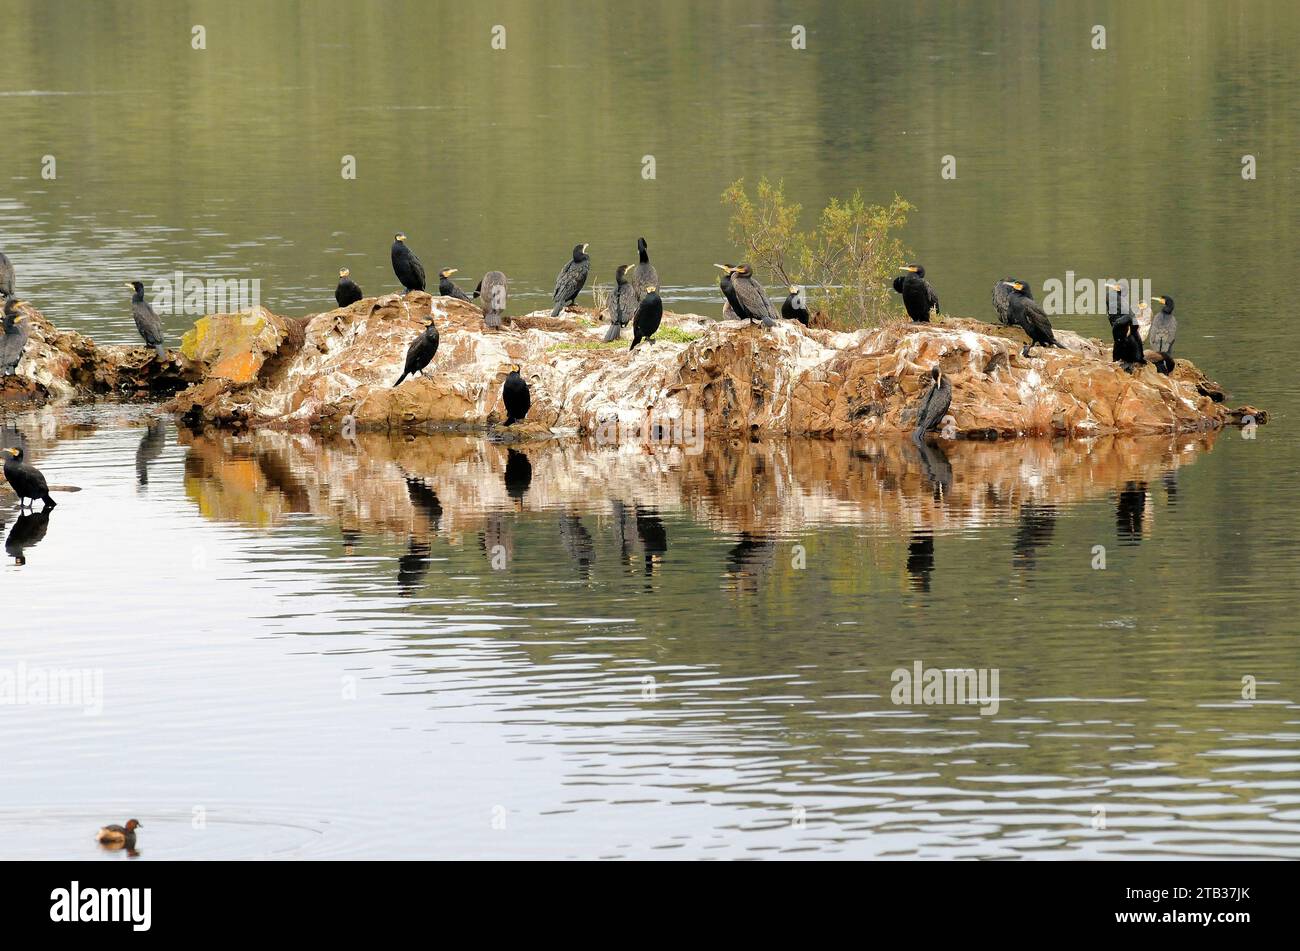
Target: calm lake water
{"x":440,"y":647}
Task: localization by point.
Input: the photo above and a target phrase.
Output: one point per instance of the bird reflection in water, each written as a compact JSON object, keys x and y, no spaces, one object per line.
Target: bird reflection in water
{"x":935,"y":467}
{"x":1170,"y":481}
{"x":1034,"y":529}
{"x":28,"y":531}
{"x":518,"y":476}
{"x":920,"y":560}
{"x":654,"y":539}
{"x":413,"y":566}
{"x":1130,"y":511}
{"x":152,"y":444}
{"x":748,"y":563}
{"x":578,"y":543}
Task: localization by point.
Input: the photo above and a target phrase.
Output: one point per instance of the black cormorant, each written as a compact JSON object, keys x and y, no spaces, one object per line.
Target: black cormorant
{"x":515,"y":395}
{"x":407,"y":267}
{"x":492,"y":289}
{"x":6,"y":276}
{"x":146,"y":321}
{"x":447,"y":288}
{"x":569,"y":283}
{"x":1002,"y":298}
{"x":644,"y":276}
{"x":1116,"y":302}
{"x":622,"y":304}
{"x":649,"y":313}
{"x":1127,"y":339}
{"x":347,"y":293}
{"x":1161,"y":334}
{"x":421,"y":351}
{"x":1028,"y":316}
{"x":26,"y":481}
{"x":795,"y":306}
{"x":745,"y":295}
{"x":919,"y":297}
{"x":934,"y":404}
{"x":14,"y":341}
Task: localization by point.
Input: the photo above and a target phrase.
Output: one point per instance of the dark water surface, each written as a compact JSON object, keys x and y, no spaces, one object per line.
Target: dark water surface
{"x":310,"y":645}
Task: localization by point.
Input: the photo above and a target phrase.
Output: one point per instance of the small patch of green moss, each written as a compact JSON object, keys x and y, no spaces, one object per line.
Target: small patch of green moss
{"x":673,"y":335}
{"x":586,"y":345}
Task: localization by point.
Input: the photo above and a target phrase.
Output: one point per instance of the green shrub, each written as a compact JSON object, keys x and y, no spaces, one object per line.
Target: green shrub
{"x":847,"y":263}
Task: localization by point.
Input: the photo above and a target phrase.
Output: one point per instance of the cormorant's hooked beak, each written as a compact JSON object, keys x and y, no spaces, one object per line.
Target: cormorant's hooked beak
{"x":12,"y":452}
{"x":585,"y":247}
{"x":794,"y":289}
{"x":1161,"y":300}
{"x":129,"y":284}
{"x":399,"y":237}
{"x":450,"y":271}
{"x":344,"y":272}
{"x":1114,"y":287}
{"x":908,"y":267}
{"x":723,"y":267}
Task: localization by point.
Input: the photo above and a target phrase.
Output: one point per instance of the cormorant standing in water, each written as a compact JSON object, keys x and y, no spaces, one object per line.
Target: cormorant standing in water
{"x":1160,"y":336}
{"x":919,"y":296}
{"x":518,"y":475}
{"x":447,"y":288}
{"x":934,"y":404}
{"x":28,"y":531}
{"x":146,"y":321}
{"x":649,"y":314}
{"x":6,"y":276}
{"x":407,"y":267}
{"x":569,"y":283}
{"x":14,"y":341}
{"x":795,"y":306}
{"x":421,"y":351}
{"x":515,"y":396}
{"x":745,"y":295}
{"x":622,"y":304}
{"x":1025,"y":313}
{"x":26,"y":481}
{"x":644,"y":276}
{"x":1002,"y":298}
{"x":347,"y":293}
{"x":493,"y":291}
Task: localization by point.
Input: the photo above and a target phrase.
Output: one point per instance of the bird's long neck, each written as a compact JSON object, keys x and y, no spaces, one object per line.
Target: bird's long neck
{"x":644,"y":253}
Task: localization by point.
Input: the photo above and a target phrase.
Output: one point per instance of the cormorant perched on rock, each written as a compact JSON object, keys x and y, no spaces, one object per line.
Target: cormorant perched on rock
{"x":447,"y":288}
{"x":569,"y":283}
{"x":407,"y":266}
{"x":514,"y":393}
{"x":1025,"y":313}
{"x":934,"y":404}
{"x":347,"y":293}
{"x":644,"y":274}
{"x":1002,"y":298}
{"x":26,"y":481}
{"x":622,"y":304}
{"x":1160,"y":336}
{"x":493,"y":291}
{"x":146,"y":321}
{"x":420,"y":352}
{"x":1127,"y":340}
{"x":919,"y":297}
{"x":1116,"y":302}
{"x":745,"y":295}
{"x":6,"y":276}
{"x":649,"y":313}
{"x":14,"y":341}
{"x":795,"y":306}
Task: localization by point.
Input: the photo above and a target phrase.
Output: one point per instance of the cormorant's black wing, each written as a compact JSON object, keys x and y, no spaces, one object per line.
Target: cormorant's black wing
{"x":933,"y":296}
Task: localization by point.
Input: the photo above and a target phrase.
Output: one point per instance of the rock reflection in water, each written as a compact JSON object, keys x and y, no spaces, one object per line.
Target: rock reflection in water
{"x":756,"y":496}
